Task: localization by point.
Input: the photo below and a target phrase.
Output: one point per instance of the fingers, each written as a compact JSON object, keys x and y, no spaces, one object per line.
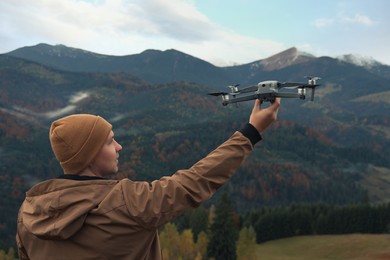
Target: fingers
{"x":275,"y":105}
{"x":274,"y":108}
{"x":257,"y":105}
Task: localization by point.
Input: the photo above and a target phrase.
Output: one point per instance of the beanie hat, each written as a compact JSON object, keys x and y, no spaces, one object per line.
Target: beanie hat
{"x":77,"y":139}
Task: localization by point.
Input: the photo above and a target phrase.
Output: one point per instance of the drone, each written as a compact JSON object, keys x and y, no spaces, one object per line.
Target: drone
{"x":267,"y":91}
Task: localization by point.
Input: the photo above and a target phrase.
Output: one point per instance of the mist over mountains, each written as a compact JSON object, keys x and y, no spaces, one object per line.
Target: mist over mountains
{"x":335,"y":149}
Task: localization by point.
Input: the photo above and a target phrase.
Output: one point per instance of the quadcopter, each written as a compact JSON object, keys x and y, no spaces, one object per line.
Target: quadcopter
{"x":268,"y":91}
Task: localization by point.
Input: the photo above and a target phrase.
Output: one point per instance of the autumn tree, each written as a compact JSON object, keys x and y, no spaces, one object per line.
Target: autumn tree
{"x":177,"y":245}
{"x":186,"y":245}
{"x":246,"y":244}
{"x":7,"y":256}
{"x":201,"y":244}
{"x":169,"y":239}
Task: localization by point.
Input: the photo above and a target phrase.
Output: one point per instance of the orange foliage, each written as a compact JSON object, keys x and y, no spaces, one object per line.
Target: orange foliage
{"x":300,"y":179}
{"x":17,"y":186}
{"x":320,"y":136}
{"x":12,"y":128}
{"x":249,"y":192}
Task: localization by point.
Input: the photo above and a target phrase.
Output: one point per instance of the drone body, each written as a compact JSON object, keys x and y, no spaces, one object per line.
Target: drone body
{"x":267,"y":91}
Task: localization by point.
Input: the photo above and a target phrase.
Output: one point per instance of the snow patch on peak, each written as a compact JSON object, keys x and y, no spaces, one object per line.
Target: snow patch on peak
{"x":359,"y":60}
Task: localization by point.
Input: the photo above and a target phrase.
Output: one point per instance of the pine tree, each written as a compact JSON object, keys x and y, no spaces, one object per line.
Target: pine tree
{"x":223,"y":232}
{"x":198,"y":221}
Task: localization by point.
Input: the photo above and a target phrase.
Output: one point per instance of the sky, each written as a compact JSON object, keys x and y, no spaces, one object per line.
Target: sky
{"x":222,"y":32}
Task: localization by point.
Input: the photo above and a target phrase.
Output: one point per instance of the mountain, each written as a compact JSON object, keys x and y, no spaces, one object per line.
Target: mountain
{"x":335,"y":149}
{"x":284,"y":59}
{"x":368,"y":63}
{"x":156,"y":66}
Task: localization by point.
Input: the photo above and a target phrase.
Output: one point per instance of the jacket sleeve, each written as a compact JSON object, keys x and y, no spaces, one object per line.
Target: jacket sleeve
{"x":21,"y":250}
{"x":154,"y":204}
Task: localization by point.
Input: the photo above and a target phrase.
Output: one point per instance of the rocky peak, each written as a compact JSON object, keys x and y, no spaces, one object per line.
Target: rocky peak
{"x":284,"y":59}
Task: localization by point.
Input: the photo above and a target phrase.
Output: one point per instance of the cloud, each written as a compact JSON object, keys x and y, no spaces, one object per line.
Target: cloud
{"x":323,"y":22}
{"x":359,"y":19}
{"x":66,"y":19}
{"x":177,"y":19}
{"x":121,"y":27}
{"x":356,"y":19}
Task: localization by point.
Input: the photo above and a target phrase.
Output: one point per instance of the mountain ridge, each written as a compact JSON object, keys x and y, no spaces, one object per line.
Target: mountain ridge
{"x":169,"y":65}
{"x":61,"y":49}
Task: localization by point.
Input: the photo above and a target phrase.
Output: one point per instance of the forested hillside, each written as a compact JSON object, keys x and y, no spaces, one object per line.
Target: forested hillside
{"x":333,"y":150}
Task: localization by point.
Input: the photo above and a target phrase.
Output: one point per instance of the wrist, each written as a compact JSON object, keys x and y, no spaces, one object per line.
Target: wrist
{"x":250,"y":132}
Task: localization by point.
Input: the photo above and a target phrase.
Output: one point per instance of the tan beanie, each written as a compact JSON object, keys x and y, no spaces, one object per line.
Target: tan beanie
{"x":77,"y":139}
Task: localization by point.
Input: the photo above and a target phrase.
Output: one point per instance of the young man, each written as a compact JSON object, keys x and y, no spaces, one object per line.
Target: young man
{"x":82,"y":215}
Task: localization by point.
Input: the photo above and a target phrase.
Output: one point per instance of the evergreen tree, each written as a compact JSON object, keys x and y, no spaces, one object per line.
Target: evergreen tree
{"x":223,"y":232}
{"x":198,"y":221}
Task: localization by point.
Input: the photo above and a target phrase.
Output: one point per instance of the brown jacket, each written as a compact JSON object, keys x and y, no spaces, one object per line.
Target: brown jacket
{"x":112,"y":219}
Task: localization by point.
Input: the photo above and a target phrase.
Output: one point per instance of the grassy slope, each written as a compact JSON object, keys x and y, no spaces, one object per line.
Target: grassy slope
{"x":376,"y":182}
{"x":335,"y":247}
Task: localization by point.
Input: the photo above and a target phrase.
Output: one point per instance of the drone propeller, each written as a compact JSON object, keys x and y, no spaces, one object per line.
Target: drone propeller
{"x":312,"y":80}
{"x":217,"y":93}
{"x":291,"y":85}
{"x":234,"y":88}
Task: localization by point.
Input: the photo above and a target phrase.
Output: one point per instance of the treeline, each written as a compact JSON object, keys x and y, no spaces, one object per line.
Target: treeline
{"x":221,"y":233}
{"x":316,"y":219}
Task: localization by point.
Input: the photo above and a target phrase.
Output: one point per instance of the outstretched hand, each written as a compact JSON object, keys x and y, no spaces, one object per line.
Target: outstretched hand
{"x":261,"y":118}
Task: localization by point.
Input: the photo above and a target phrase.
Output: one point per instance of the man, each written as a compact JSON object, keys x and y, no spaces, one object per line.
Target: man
{"x":82,"y":215}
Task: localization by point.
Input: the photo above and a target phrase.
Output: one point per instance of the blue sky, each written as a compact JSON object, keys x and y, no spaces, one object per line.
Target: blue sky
{"x":223,"y":32}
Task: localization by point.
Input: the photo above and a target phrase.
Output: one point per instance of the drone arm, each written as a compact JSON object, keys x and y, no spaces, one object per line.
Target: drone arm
{"x":248,"y":89}
{"x":238,"y":99}
{"x":287,"y":95}
{"x":262,"y":97}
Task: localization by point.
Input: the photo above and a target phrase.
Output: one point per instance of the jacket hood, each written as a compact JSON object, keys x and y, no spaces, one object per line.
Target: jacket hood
{"x":56,"y":209}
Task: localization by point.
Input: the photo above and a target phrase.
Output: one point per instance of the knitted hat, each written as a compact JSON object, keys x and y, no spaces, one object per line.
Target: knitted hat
{"x":77,"y":139}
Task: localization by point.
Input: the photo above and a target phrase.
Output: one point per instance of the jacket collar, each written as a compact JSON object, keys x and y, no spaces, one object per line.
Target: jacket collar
{"x":79,"y":178}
